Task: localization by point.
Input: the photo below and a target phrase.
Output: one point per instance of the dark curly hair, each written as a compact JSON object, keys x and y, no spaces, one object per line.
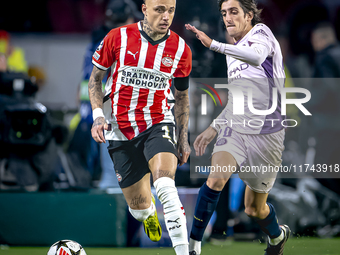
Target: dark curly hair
{"x":247,"y":7}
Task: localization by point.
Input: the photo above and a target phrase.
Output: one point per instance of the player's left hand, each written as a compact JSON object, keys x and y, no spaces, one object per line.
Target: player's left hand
{"x":201,"y":142}
{"x":205,"y":40}
{"x":183,"y":151}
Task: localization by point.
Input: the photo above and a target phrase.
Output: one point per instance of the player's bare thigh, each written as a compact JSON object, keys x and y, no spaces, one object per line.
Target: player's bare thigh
{"x":138,"y":195}
{"x":163,"y":164}
{"x":218,"y":179}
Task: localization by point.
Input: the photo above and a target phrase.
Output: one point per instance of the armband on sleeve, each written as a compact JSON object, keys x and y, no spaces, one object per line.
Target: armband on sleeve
{"x":182,"y":83}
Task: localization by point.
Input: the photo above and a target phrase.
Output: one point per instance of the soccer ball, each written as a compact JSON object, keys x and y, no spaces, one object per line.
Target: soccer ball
{"x":66,"y":247}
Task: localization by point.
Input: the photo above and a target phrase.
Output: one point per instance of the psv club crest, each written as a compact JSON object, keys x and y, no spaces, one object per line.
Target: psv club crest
{"x":167,"y":61}
{"x":119,"y":177}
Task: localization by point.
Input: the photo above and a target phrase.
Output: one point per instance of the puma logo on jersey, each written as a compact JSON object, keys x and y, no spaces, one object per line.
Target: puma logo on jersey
{"x":134,"y":55}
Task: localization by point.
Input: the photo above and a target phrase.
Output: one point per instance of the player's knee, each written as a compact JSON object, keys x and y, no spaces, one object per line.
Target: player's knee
{"x":216,"y":183}
{"x":163,"y":173}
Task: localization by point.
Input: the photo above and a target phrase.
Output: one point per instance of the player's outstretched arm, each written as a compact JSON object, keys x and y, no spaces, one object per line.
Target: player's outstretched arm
{"x":205,"y":40}
{"x":181,"y":109}
{"x":254,"y":55}
{"x":202,"y":141}
{"x":96,"y":99}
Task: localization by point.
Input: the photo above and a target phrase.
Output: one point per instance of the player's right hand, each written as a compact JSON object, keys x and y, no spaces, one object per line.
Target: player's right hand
{"x":205,"y":40}
{"x":98,"y":127}
{"x":202,"y":141}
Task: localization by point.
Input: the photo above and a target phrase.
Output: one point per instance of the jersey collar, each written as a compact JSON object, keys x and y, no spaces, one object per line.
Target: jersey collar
{"x":246,"y":35}
{"x":152,"y":42}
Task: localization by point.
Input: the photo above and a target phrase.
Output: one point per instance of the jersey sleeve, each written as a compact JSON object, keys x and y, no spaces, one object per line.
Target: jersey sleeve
{"x":104,"y":56}
{"x":185,"y":64}
{"x":261,"y":34}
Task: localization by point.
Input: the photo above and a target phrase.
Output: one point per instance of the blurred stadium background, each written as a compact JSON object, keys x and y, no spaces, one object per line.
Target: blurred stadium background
{"x":53,"y":179}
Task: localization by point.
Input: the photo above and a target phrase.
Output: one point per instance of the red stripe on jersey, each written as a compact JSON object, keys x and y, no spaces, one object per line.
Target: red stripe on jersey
{"x":142,"y":102}
{"x":169,"y":91}
{"x":156,"y":108}
{"x":132,"y":48}
{"x":150,"y":56}
{"x":121,"y":95}
{"x":125,"y":94}
{"x":170,"y":50}
{"x":184,"y":66}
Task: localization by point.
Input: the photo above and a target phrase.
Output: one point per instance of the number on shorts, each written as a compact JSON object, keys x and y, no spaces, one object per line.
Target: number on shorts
{"x":167,"y":133}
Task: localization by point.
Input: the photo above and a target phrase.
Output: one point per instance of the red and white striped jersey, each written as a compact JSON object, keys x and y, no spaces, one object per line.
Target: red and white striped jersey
{"x":140,"y":78}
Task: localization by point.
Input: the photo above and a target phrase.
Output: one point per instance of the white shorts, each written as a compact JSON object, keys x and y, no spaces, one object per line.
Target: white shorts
{"x":258,"y":156}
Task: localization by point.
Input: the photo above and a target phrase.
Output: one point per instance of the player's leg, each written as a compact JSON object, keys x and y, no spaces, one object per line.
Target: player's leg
{"x":138,"y":195}
{"x":265,"y":151}
{"x":139,"y":199}
{"x":161,"y":153}
{"x":133,"y":176}
{"x":229,"y":151}
{"x":142,"y":207}
{"x":265,"y":215}
{"x":208,"y":197}
{"x":163,"y":167}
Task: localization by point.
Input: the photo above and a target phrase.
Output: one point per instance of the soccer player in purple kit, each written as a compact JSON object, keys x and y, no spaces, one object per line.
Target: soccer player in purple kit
{"x":254,"y":63}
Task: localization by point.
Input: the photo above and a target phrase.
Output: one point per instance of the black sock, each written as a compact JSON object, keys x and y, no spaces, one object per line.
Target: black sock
{"x":205,"y":206}
{"x":270,"y":224}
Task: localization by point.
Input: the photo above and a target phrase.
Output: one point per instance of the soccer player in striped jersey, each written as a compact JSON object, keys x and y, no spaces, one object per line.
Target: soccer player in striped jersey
{"x":144,"y":60}
{"x":254,"y":63}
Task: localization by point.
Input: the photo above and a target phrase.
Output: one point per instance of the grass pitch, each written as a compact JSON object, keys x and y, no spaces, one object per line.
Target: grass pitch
{"x":294,"y":246}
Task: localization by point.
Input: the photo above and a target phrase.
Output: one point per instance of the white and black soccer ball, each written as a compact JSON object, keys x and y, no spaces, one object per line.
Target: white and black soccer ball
{"x":66,"y":247}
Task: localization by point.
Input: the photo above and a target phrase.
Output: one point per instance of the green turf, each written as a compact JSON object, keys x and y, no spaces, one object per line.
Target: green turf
{"x":296,"y":246}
